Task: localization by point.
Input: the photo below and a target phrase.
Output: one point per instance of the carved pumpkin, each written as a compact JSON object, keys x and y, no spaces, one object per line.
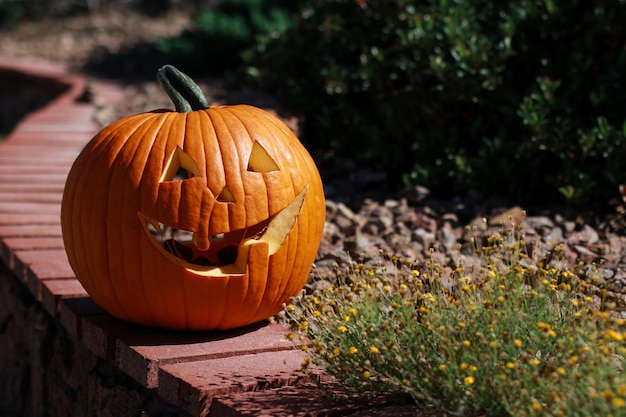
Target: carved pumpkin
{"x":196,"y":219}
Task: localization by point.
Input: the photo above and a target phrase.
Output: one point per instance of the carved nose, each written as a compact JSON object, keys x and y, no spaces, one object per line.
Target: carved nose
{"x":226,"y":196}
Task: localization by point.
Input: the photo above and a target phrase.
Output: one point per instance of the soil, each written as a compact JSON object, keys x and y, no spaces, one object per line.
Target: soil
{"x":365,"y":216}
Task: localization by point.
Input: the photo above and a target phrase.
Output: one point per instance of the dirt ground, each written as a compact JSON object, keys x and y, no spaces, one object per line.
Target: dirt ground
{"x":78,"y":41}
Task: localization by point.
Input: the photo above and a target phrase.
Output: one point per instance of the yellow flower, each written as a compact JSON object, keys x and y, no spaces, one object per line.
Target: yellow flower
{"x":352,"y":311}
{"x":618,"y":402}
{"x":517,"y":343}
{"x":535,"y":406}
{"x":469,"y":380}
{"x":291,"y":307}
{"x":510,"y":365}
{"x":342,"y":329}
{"x":352,"y":350}
{"x":374,"y":349}
{"x":466,"y":343}
{"x":463,"y":366}
{"x":366,"y":374}
{"x":543,"y":326}
{"x":442,"y":368}
{"x":615,"y":335}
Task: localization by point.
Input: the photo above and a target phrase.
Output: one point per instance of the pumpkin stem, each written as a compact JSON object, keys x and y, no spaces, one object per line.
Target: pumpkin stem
{"x":181,"y":89}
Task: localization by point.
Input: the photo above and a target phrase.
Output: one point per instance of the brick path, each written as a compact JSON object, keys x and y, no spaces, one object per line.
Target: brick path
{"x":247,"y":372}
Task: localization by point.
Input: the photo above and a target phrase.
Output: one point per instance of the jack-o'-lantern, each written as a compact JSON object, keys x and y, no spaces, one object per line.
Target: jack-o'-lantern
{"x":198,"y":218}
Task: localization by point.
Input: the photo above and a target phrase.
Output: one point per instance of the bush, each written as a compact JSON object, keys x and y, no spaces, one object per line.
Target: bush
{"x":519,"y":98}
{"x":221,"y":33}
{"x":514,"y":334}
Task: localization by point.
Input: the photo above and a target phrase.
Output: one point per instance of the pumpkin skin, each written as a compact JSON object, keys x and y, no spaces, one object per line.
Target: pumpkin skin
{"x":250,"y":201}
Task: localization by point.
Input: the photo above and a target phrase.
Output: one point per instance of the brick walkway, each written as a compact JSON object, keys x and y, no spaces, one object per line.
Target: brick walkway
{"x":248,"y":372}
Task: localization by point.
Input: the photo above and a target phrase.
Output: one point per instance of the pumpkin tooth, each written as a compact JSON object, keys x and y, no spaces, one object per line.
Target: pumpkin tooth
{"x":156,"y":225}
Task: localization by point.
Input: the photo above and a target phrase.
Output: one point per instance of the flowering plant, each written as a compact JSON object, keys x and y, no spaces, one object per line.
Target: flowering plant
{"x":515,"y":334}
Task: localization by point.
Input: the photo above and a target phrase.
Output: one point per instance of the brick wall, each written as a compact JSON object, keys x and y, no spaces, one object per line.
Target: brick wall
{"x":46,"y":372}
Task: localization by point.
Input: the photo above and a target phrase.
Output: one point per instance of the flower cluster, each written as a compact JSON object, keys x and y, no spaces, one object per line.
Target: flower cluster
{"x":515,"y":335}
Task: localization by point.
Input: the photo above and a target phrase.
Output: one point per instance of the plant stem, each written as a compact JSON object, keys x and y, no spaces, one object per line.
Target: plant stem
{"x":182,"y":90}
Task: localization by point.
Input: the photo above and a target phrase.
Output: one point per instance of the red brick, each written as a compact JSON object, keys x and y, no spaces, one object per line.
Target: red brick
{"x":28,"y":196}
{"x":19,"y":219}
{"x":45,"y":263}
{"x":17,"y":146}
{"x":25,"y":159}
{"x":100,"y":333}
{"x":140,"y":355}
{"x":33,"y":168}
{"x":34,"y":243}
{"x":73,"y":310}
{"x":193,"y":385}
{"x":84,"y":126}
{"x":41,"y":265}
{"x":30,"y":208}
{"x":34,"y":178}
{"x":52,"y":291}
{"x":31,"y":230}
{"x":19,"y":189}
{"x":9,"y":245}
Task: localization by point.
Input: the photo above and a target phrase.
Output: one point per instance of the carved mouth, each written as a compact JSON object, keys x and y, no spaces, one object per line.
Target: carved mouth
{"x":227,"y":252}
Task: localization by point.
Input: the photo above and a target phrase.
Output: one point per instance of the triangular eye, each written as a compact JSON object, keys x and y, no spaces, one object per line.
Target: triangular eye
{"x":226,"y":196}
{"x":180,"y":167}
{"x":260,"y":161}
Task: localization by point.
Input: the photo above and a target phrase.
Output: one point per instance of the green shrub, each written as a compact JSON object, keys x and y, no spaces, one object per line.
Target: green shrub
{"x":517,"y":98}
{"x":221,"y":33}
{"x":510,"y":335}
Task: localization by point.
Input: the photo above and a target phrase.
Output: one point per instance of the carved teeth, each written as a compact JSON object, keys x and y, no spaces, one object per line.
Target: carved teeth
{"x":180,"y":245}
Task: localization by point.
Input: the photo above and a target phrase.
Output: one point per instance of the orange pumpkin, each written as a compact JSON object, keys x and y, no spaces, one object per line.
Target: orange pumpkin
{"x":200,"y":218}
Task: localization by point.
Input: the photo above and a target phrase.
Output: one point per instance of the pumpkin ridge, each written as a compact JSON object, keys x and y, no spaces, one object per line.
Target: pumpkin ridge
{"x":138,"y":128}
{"x":175,"y":130}
{"x":139,"y":157}
{"x":228,"y":145}
{"x":249,"y":192}
{"x":100,"y":145}
{"x":208,"y":138}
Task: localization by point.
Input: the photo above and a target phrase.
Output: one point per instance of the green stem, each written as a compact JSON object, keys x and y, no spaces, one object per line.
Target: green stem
{"x":181,"y":89}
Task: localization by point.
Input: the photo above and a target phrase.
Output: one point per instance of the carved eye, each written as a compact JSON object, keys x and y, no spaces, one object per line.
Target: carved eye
{"x":180,"y":167}
{"x":260,"y":160}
